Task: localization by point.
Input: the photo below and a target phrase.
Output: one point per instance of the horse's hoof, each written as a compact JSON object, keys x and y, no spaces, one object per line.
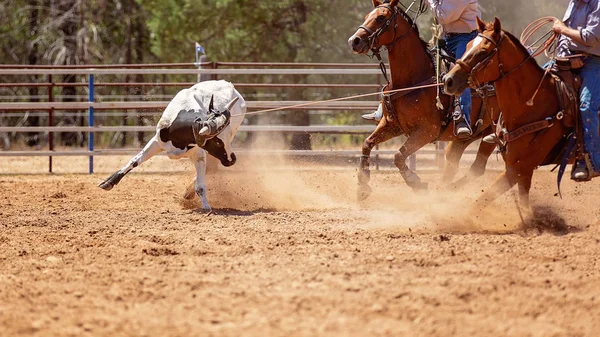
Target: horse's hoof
{"x":420,"y":187}
{"x":364,"y":191}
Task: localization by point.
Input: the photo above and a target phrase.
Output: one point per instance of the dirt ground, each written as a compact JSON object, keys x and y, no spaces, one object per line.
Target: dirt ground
{"x":291,"y":253}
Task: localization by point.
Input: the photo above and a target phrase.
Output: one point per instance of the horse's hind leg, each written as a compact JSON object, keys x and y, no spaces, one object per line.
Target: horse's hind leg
{"x":454,"y":152}
{"x":382,"y":133}
{"x":151,"y":149}
{"x":478,"y":167}
{"x":412,"y":145}
{"x":484,"y":152}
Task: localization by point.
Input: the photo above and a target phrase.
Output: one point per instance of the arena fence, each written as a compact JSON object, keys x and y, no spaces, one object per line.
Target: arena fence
{"x":47,"y":106}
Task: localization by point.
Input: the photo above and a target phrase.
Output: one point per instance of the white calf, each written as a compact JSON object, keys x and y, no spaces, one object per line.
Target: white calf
{"x":191,"y":125}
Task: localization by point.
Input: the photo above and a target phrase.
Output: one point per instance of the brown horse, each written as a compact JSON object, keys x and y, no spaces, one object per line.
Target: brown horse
{"x":414,"y":113}
{"x":534,"y":133}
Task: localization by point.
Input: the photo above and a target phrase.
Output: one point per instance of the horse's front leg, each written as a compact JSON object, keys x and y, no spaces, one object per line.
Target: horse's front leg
{"x":415,"y":142}
{"x":503,"y":183}
{"x":382,"y":133}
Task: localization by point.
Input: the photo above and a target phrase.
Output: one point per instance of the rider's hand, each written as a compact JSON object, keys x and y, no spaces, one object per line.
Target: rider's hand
{"x":558,"y":26}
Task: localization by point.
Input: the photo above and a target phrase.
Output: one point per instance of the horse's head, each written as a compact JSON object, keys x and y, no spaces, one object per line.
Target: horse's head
{"x":481,"y":62}
{"x":379,"y":29}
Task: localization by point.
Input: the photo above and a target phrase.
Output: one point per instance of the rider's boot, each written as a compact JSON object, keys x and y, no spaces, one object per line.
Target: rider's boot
{"x":580,"y":172}
{"x":462,"y":129}
{"x":375,"y":115}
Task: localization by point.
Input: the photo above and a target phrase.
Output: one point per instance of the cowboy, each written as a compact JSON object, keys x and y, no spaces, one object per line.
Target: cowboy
{"x":580,"y":34}
{"x":458,"y":19}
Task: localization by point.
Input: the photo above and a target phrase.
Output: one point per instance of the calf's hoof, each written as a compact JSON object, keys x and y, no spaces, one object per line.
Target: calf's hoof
{"x":106,"y":186}
{"x":364,"y":191}
{"x":111,"y":181}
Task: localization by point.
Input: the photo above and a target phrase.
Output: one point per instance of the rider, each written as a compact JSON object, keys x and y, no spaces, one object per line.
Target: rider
{"x":581,"y":35}
{"x":459,"y":23}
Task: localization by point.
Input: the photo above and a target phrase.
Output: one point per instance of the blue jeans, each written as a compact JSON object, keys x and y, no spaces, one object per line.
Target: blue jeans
{"x":457,"y":46}
{"x":589,"y":100}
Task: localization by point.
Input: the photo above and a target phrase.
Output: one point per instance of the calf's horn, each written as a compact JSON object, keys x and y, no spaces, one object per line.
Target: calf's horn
{"x":232,"y":103}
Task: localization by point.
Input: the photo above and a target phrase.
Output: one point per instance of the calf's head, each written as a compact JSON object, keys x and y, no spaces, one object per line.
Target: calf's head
{"x":216,"y":133}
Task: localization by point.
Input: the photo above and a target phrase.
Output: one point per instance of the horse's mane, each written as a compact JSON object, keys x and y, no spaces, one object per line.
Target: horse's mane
{"x":413,"y":25}
{"x":515,"y":41}
{"x":521,"y":47}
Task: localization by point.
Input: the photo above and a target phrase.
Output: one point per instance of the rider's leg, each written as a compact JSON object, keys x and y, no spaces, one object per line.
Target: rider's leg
{"x":589,"y":99}
{"x":457,"y":45}
{"x":375,"y":115}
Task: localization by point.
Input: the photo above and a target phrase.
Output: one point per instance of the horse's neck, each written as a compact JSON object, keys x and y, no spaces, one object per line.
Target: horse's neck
{"x":410,"y":63}
{"x":518,"y":87}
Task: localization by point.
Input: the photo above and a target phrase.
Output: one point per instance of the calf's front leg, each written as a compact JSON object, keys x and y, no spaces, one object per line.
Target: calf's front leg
{"x":198,"y":158}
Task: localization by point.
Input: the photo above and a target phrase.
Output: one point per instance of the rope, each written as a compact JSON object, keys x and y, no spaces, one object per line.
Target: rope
{"x":548,"y":39}
{"x":340,"y":99}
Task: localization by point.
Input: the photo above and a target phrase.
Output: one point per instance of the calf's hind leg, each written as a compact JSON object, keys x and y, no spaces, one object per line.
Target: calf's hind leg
{"x":151,"y":149}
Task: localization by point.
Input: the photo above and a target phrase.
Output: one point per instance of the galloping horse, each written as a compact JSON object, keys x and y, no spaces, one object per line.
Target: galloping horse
{"x":534,"y":134}
{"x":413,"y":113}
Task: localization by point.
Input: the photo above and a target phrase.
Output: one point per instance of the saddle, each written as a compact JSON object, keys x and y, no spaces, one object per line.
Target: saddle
{"x":568,"y":84}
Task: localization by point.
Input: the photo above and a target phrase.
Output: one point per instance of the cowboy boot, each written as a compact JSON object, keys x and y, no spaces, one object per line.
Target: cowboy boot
{"x":462,"y":129}
{"x":375,"y":115}
{"x":580,"y":171}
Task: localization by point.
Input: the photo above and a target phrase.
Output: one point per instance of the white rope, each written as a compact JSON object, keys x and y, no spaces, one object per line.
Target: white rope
{"x":340,"y":99}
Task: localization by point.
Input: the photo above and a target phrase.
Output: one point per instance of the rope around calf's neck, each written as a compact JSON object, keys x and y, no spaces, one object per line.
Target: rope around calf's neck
{"x":340,"y":99}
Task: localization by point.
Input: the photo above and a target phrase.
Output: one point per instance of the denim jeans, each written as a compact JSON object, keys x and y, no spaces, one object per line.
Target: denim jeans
{"x":457,"y":46}
{"x":589,"y":100}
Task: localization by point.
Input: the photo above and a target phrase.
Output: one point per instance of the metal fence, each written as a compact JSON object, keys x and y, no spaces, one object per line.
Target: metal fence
{"x":366,"y":78}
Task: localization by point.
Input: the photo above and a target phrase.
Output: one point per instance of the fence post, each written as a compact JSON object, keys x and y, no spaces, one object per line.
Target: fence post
{"x":91,"y":122}
{"x":50,"y":121}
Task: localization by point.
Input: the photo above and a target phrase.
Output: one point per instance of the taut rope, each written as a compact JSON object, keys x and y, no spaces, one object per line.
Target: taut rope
{"x":339,"y":99}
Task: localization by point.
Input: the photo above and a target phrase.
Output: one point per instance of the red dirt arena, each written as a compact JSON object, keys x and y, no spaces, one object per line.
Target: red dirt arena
{"x":289,"y":253}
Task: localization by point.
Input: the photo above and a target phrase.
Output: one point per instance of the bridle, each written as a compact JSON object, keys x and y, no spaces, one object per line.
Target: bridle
{"x":487,"y":60}
{"x":374,"y":36}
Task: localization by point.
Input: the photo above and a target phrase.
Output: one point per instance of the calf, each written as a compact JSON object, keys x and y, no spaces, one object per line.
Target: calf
{"x":200,"y":119}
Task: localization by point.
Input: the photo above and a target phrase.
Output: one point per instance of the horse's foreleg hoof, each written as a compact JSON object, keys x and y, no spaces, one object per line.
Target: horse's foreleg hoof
{"x":364,"y":176}
{"x":364,"y":191}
